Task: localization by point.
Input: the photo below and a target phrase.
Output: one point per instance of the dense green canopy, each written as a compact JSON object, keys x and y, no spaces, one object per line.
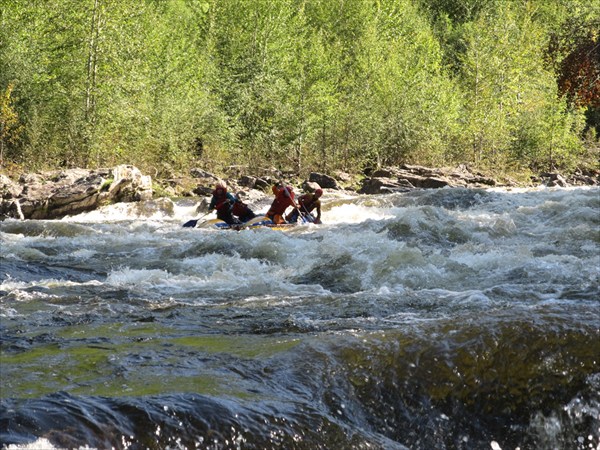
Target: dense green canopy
{"x":299,"y":84}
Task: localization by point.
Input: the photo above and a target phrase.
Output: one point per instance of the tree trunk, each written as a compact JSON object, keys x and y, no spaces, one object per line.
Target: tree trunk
{"x":92,"y":70}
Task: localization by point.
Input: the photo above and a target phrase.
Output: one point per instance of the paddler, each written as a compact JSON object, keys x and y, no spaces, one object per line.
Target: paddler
{"x":284,"y":197}
{"x":242,"y":211}
{"x":308,"y":203}
{"x":223,"y":202}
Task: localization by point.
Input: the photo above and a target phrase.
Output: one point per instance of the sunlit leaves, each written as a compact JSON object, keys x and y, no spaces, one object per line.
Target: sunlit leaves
{"x":299,"y":84}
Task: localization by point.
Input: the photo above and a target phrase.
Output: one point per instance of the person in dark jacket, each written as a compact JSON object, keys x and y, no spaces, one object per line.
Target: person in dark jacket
{"x":223,"y":202}
{"x":307,"y":203}
{"x":242,"y":211}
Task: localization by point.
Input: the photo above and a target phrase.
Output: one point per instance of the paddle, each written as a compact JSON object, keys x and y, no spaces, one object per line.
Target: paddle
{"x":192,"y":223}
{"x":306,"y":218}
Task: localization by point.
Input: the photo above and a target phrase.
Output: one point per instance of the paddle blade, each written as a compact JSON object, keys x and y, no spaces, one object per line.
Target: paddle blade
{"x":190,"y":223}
{"x":308,"y":218}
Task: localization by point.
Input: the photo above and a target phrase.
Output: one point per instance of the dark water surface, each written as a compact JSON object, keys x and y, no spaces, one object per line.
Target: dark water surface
{"x":447,"y":319}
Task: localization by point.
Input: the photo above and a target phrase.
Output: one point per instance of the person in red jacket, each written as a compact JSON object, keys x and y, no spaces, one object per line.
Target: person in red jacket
{"x":284,"y":197}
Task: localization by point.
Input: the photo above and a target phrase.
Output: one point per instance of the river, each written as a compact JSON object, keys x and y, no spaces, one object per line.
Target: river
{"x":435,"y":319}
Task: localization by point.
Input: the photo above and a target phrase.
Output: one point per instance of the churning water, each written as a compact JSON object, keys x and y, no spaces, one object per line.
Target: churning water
{"x":439,"y":319}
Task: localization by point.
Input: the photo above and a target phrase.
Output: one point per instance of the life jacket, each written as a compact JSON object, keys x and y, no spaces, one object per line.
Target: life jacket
{"x":283,"y":199}
{"x":240,"y":209}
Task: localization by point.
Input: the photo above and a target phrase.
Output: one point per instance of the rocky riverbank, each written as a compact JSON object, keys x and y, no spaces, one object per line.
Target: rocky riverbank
{"x":52,"y":195}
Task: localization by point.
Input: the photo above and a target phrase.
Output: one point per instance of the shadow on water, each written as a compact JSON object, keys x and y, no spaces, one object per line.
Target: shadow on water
{"x":27,"y":271}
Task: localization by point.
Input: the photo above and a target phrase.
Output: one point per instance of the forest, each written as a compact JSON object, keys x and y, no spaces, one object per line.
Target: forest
{"x":504,"y":86}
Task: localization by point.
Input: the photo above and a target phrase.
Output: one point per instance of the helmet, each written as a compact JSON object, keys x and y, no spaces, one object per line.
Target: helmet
{"x":221,"y":185}
{"x":318,"y":192}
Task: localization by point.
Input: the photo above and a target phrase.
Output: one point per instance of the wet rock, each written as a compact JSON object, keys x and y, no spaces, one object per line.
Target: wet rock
{"x":585,"y":178}
{"x":553,"y":180}
{"x":251,"y":196}
{"x":247,"y":181}
{"x":588,"y":177}
{"x":343,"y":177}
{"x":382,"y":185}
{"x":425,"y":182}
{"x":129,"y":185}
{"x":151,"y":207}
{"x":203,"y":190}
{"x":384,"y":173}
{"x":261,"y":183}
{"x":200,"y":173}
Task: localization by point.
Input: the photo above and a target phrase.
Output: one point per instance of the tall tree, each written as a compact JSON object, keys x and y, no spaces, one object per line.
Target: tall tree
{"x":510,"y":93}
{"x":415,"y":98}
{"x":298,"y":84}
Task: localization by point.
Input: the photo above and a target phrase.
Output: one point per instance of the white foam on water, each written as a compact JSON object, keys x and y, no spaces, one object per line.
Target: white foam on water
{"x":352,"y":213}
{"x":370,"y":242}
{"x":10,"y":284}
{"x":83,"y":253}
{"x":42,"y":444}
{"x":215,"y":273}
{"x":158,"y":210}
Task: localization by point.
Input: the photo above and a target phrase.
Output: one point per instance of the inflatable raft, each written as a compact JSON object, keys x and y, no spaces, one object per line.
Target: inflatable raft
{"x":257,"y":222}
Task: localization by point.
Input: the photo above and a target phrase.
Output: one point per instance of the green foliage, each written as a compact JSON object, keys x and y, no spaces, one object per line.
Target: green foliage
{"x":513,"y":114}
{"x":414,"y":96}
{"x":296,"y":85}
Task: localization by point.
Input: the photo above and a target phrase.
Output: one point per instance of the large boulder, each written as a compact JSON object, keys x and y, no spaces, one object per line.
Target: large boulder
{"x":325,"y":181}
{"x":398,"y":179}
{"x":52,"y":195}
{"x":384,"y":185}
{"x":310,"y":186}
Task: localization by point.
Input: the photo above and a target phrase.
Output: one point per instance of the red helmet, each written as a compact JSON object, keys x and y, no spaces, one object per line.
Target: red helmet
{"x":318,"y":192}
